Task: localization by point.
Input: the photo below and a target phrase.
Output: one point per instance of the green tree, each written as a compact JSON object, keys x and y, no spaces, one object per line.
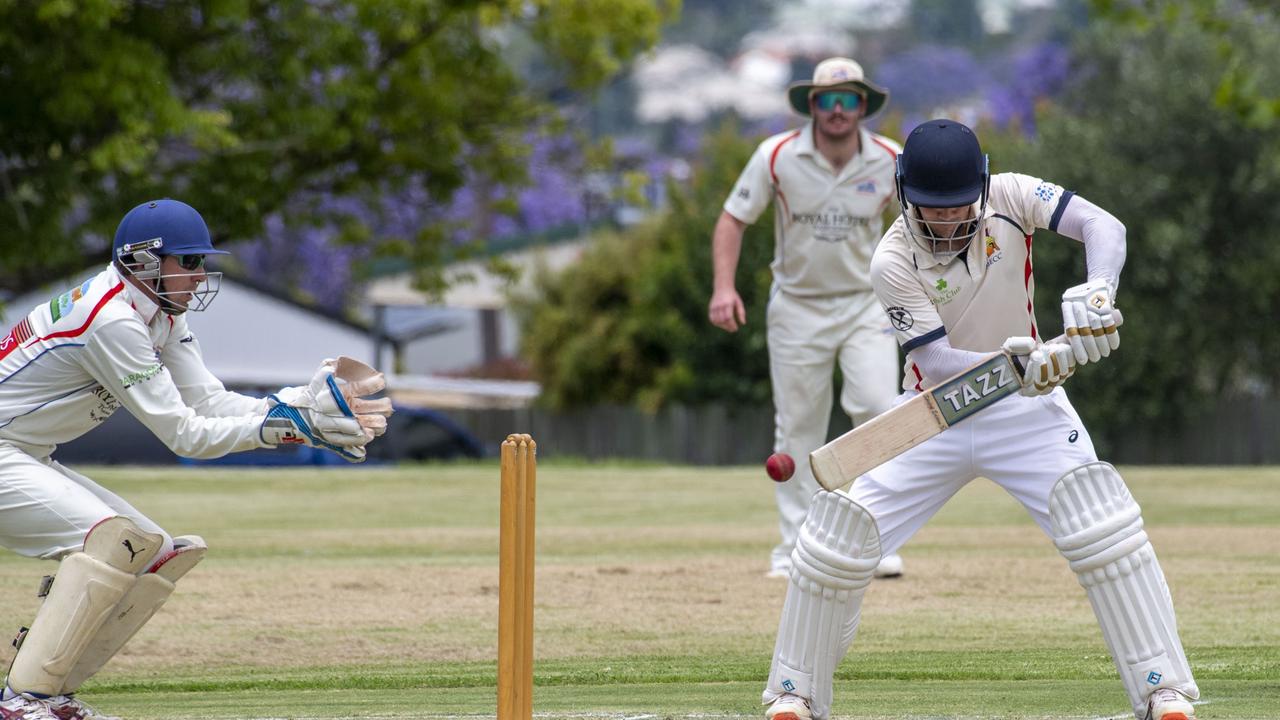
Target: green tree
{"x":1153,"y":132}
{"x":242,"y":107}
{"x":628,"y":324}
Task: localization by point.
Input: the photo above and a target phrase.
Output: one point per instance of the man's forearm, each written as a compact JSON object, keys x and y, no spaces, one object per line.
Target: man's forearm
{"x":726,"y":247}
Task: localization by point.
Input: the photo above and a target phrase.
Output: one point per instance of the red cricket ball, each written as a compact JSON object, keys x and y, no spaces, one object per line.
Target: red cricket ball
{"x":780,"y":467}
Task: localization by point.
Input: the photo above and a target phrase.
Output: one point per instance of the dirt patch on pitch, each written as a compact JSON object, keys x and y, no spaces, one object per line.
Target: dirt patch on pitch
{"x":965,"y":587}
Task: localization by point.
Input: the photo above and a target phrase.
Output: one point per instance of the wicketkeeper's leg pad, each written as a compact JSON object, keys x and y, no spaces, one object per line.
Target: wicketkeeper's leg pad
{"x":1097,"y":526}
{"x":831,"y":566}
{"x":88,"y":586}
{"x":138,"y":606}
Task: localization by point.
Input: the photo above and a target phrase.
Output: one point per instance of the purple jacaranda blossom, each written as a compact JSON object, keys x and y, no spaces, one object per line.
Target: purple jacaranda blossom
{"x":1031,"y":75}
{"x":930,"y":76}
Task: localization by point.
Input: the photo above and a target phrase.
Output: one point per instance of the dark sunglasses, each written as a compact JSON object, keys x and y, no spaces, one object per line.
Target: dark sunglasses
{"x":827,"y":100}
{"x":191,"y":262}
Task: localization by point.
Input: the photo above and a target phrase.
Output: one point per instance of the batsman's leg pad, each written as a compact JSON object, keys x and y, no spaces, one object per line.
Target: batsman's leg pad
{"x":89,"y":585}
{"x":1097,"y":526}
{"x":831,"y":566}
{"x":138,"y":605}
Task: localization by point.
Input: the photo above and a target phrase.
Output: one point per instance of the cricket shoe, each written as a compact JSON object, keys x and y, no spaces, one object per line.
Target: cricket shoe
{"x":69,"y":707}
{"x":788,"y":707}
{"x":1169,"y":704}
{"x":890,"y":566}
{"x":21,"y":707}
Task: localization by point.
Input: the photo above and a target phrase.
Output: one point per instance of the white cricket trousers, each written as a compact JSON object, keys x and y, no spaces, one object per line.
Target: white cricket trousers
{"x":47,"y":509}
{"x":807,"y":336}
{"x":1023,"y":444}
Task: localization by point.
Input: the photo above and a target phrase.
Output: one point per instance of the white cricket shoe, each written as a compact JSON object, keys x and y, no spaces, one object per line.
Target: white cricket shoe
{"x":69,"y":707}
{"x":788,"y":707}
{"x":21,"y":707}
{"x":890,"y":566}
{"x":1169,"y":704}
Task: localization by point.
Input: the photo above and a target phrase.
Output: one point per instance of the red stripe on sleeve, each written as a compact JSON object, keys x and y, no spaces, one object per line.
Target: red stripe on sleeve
{"x":1026,"y":283}
{"x":92,"y":314}
{"x":773,"y":160}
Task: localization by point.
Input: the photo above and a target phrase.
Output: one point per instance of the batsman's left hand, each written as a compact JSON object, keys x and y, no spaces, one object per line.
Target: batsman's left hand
{"x":1046,"y":365}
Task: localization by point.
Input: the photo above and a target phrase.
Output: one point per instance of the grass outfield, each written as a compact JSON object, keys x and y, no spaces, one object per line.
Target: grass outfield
{"x":372,"y":593}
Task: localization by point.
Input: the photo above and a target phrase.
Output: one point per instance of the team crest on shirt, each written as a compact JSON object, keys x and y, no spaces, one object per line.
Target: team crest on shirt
{"x":994,"y":253}
{"x":866,"y":188}
{"x":900,"y":317}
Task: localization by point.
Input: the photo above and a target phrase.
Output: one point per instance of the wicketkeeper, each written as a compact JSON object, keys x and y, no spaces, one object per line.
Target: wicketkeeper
{"x":121,"y":340}
{"x":954,"y":275}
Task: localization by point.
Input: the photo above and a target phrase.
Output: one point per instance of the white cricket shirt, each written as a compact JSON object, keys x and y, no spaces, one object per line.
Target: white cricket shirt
{"x":73,"y":361}
{"x":827,"y":223}
{"x":980,"y":298}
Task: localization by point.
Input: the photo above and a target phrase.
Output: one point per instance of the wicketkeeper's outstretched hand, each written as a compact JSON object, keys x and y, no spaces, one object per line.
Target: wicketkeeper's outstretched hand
{"x":333,"y":411}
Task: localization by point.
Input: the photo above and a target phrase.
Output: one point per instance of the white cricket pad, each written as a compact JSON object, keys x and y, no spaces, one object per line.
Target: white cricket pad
{"x":137,"y":607}
{"x":831,"y":566}
{"x":1097,"y":526}
{"x":87,"y":588}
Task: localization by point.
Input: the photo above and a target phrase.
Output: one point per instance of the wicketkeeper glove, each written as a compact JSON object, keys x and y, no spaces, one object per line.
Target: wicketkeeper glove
{"x":331,"y":411}
{"x":289,"y":425}
{"x":1045,"y":366}
{"x":1090,"y":321}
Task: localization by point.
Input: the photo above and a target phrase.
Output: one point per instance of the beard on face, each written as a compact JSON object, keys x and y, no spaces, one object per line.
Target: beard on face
{"x":849,"y":128}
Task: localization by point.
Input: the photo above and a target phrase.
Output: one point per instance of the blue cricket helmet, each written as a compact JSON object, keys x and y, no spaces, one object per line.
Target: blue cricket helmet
{"x":176,"y":224}
{"x":942,"y":166}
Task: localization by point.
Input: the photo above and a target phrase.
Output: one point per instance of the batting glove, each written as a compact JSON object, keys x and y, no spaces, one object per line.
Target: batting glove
{"x":1046,"y":366}
{"x":1090,"y":321}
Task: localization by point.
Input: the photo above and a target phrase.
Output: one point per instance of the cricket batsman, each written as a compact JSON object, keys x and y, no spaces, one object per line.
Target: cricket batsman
{"x":121,"y":340}
{"x":954,"y":276}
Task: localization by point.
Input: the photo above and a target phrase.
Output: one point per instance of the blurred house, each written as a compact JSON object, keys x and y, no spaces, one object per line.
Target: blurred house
{"x":482,"y":329}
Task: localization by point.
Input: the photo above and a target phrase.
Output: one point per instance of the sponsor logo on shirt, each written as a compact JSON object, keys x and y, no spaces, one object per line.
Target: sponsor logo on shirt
{"x":830,"y":226}
{"x":994,"y":253}
{"x":867,"y":188}
{"x":107,"y":405}
{"x":945,"y":293}
{"x":1045,"y":192}
{"x":744,"y":193}
{"x":141,"y":376}
{"x":60,"y":306}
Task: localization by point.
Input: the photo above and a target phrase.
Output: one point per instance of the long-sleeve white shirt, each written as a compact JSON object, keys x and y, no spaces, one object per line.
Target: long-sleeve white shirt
{"x":75,"y":360}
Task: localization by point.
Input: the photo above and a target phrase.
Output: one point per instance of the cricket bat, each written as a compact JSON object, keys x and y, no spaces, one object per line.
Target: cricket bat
{"x":838,"y":463}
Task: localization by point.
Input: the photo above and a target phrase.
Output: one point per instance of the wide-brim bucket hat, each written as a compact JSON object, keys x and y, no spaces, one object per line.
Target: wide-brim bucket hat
{"x":837,"y":72}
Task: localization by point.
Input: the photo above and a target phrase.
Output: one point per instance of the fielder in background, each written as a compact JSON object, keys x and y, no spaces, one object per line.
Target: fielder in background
{"x":832,"y":180}
{"x":121,"y":340}
{"x":954,"y":276}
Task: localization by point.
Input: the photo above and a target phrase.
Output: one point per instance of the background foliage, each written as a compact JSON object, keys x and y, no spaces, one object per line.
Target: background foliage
{"x":1168,"y":126}
{"x":629,"y":322}
{"x":1168,"y":120}
{"x":315,"y":110}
